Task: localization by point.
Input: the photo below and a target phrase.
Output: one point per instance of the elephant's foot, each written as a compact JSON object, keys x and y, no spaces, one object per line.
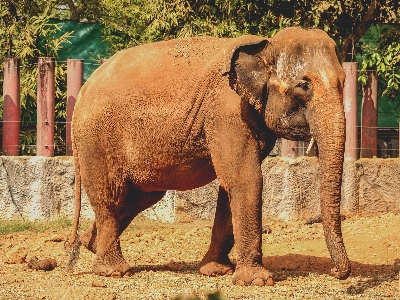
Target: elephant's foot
{"x":252,"y":275}
{"x":118,"y":270}
{"x":212,"y":266}
{"x":112,"y":263}
{"x":343,"y":274}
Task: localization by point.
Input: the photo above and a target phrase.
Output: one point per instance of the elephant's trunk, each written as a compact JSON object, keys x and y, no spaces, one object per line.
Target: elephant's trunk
{"x":328,"y":127}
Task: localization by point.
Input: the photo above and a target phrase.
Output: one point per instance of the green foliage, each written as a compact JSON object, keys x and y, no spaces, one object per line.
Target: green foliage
{"x":7,"y":227}
{"x":385,"y":58}
{"x":26,"y":33}
{"x":128,"y":23}
{"x":19,"y":225}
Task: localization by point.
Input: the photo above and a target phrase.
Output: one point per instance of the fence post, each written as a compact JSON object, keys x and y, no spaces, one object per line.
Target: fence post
{"x":11,"y":107}
{"x":289,"y":148}
{"x":45,"y":106}
{"x":369,"y":116}
{"x":74,"y":84}
{"x":350,"y":109}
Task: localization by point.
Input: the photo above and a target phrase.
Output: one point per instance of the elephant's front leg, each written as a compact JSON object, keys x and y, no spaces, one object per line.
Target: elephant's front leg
{"x":236,"y":159}
{"x":216,"y":261}
{"x":246,"y":219}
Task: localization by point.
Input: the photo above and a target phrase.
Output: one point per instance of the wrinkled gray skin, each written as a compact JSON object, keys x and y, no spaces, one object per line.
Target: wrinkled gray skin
{"x":176,"y":115}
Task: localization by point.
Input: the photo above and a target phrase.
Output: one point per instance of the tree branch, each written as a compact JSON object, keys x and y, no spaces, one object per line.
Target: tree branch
{"x":342,"y":5}
{"x":74,"y":13}
{"x":359,"y":29}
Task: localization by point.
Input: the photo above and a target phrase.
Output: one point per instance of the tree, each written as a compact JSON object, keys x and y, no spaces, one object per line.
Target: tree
{"x":25,"y":33}
{"x":24,"y":23}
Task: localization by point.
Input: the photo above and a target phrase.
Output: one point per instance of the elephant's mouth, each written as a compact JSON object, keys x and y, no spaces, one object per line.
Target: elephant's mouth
{"x":296,"y":132}
{"x":301,"y":136}
{"x":295,"y":135}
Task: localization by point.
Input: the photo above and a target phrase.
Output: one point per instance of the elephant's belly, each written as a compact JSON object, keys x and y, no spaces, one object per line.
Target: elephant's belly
{"x":181,"y":177}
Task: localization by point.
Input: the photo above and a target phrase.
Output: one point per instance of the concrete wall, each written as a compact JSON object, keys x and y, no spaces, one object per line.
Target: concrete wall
{"x":39,"y":188}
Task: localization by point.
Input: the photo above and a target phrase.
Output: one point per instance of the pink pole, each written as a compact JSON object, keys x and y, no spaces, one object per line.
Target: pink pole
{"x":350,"y":109}
{"x":369,"y":120}
{"x":74,"y":84}
{"x":289,"y":148}
{"x":45,"y":106}
{"x":11,"y":107}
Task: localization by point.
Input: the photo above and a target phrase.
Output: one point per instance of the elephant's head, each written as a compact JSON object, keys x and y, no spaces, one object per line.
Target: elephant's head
{"x":296,"y":82}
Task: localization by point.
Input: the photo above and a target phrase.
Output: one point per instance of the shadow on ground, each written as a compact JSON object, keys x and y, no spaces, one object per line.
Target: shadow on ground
{"x":291,"y":265}
{"x":303,"y":265}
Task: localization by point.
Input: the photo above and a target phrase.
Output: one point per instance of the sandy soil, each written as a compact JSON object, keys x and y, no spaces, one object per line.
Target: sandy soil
{"x":295,"y":252}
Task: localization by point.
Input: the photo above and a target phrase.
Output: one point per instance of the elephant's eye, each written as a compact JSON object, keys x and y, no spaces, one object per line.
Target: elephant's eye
{"x":303,"y":84}
{"x":302,"y":90}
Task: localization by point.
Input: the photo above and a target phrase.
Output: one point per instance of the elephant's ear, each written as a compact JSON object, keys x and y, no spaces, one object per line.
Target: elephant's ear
{"x":249,"y":73}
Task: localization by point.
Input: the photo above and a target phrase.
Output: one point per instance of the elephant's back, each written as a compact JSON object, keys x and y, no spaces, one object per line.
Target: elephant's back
{"x":165,"y":83}
{"x":155,"y":69}
{"x":174,"y":70}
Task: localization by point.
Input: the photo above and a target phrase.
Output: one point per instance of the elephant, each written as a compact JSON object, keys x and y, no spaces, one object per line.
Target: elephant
{"x":177,"y":114}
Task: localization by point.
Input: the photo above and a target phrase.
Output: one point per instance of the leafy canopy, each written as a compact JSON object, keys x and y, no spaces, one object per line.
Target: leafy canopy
{"x":128,"y":23}
{"x":23,"y":23}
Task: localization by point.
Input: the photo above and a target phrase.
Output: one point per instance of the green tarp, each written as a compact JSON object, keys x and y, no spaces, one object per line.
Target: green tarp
{"x":86,"y":44}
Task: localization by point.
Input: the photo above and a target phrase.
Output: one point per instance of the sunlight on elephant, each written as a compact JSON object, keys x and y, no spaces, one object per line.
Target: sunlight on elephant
{"x":175,"y":115}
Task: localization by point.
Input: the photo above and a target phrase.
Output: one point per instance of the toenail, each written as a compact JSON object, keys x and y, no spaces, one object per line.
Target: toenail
{"x":270,"y":282}
{"x":258,"y":282}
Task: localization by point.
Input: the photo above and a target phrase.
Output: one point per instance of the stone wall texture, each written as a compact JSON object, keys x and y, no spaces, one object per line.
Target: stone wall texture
{"x":40,"y":188}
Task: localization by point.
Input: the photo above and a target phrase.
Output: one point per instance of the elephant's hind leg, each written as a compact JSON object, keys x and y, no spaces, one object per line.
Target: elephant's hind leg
{"x":136,"y":202}
{"x":109,"y":259}
{"x":216,"y":261}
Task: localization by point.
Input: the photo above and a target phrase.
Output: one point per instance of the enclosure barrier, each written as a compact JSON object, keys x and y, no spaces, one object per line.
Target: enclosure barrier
{"x":75,"y":68}
{"x":350,"y":109}
{"x":11,"y":107}
{"x":369,"y":119}
{"x":45,"y":107}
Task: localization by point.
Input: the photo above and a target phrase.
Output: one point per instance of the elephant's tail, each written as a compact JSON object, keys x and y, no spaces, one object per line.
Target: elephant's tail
{"x":72,"y":245}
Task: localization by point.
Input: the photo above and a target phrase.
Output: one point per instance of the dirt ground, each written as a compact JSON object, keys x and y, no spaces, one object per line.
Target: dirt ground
{"x":294,"y":252}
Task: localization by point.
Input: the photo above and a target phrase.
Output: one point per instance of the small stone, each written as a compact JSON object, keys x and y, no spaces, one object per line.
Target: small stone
{"x":16,"y":256}
{"x":98,"y":283}
{"x":56,"y":239}
{"x":266,"y":229}
{"x":173,"y":266}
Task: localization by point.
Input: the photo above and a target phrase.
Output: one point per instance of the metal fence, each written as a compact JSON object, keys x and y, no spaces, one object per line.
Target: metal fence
{"x":366,"y":140}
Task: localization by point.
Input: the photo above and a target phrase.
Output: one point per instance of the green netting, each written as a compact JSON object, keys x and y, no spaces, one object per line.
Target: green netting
{"x":86,"y":44}
{"x":388,"y":110}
